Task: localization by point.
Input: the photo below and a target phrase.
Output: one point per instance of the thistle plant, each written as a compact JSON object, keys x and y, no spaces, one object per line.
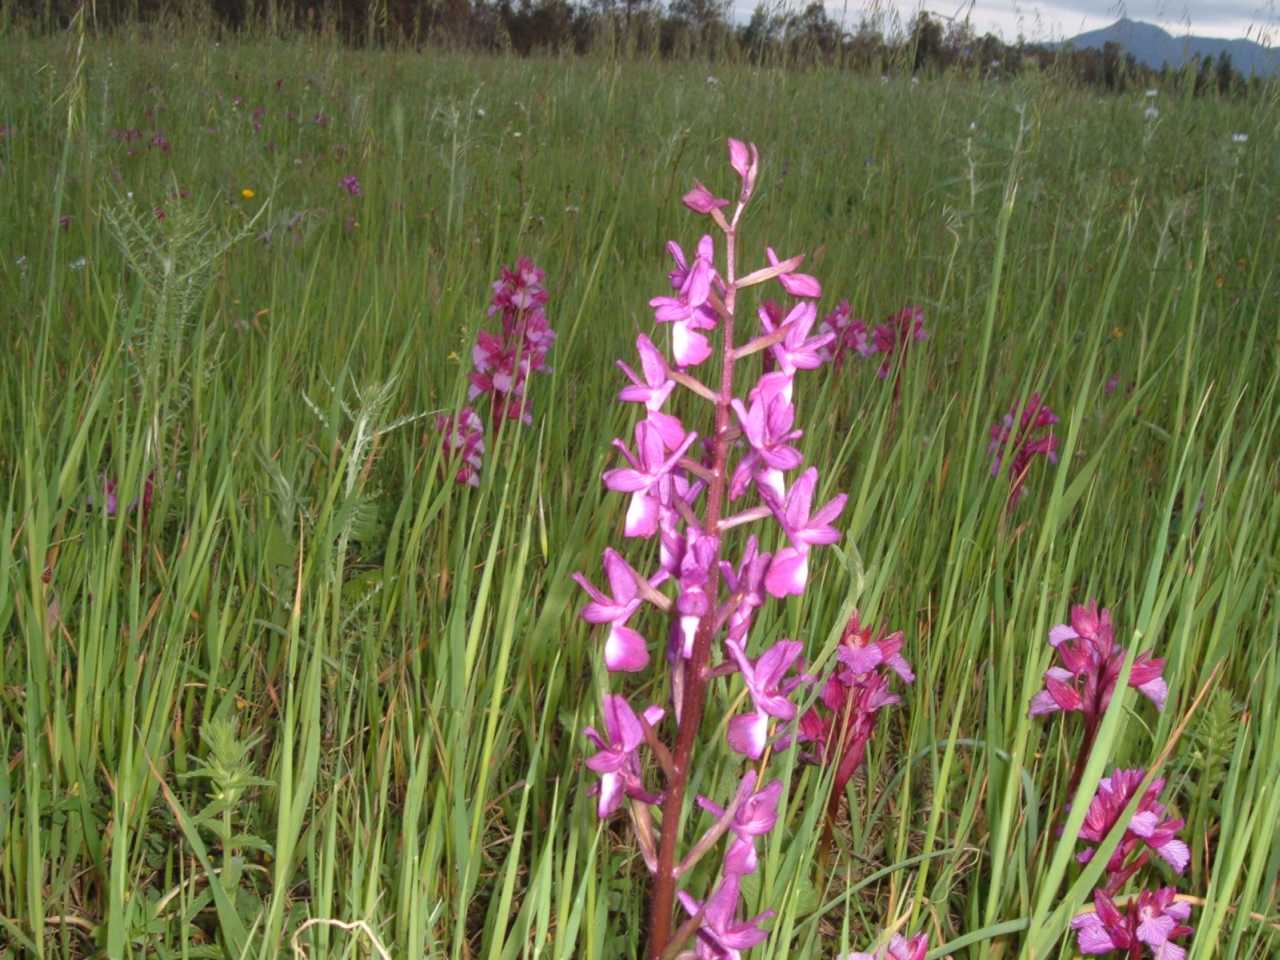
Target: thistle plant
{"x":685,"y":486}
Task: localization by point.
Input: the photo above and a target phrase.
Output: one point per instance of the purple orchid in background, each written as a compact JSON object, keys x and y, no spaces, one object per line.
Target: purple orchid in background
{"x":849,"y":335}
{"x":1086,"y":680}
{"x":1147,"y":830}
{"x":1024,"y":433}
{"x":1091,"y":663}
{"x":1153,"y":920}
{"x":462,"y":436}
{"x":351,"y":184}
{"x":111,"y":497}
{"x":500,"y":364}
{"x":841,"y":724}
{"x":895,"y":334}
{"x":681,"y":481}
{"x":898,"y":948}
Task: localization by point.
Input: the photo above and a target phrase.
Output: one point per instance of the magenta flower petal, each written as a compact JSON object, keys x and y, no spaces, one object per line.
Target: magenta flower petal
{"x":1043,"y":703}
{"x":702,"y":200}
{"x":1092,"y":937}
{"x":688,"y":347}
{"x":748,"y":734}
{"x":642,"y":515}
{"x":1175,"y":853}
{"x":625,"y":651}
{"x":1155,"y":690}
{"x":788,"y":573}
{"x":1061,"y":633}
{"x":741,"y":858}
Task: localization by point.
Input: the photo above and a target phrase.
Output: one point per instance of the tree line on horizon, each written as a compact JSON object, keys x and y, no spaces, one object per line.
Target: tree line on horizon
{"x":776,"y":34}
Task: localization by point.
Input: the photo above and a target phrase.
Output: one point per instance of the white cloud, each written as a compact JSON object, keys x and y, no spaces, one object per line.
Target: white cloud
{"x":1060,"y":19}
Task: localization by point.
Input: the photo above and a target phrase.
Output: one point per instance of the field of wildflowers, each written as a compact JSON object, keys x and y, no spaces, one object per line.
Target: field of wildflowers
{"x":498,"y":508}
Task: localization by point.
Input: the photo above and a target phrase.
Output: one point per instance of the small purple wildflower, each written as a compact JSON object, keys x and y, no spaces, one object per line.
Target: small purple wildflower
{"x":895,"y":334}
{"x":898,"y":948}
{"x":1025,"y":432}
{"x":840,"y":726}
{"x":1153,"y":920}
{"x":1148,"y":829}
{"x":848,"y":335}
{"x":463,"y":437}
{"x":1091,"y":663}
{"x":351,"y":184}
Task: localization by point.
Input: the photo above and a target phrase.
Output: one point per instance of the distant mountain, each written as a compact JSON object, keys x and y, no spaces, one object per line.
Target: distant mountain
{"x":1154,"y":47}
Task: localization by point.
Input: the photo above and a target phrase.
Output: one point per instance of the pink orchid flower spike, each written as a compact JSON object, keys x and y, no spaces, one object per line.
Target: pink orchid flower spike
{"x":1153,"y":920}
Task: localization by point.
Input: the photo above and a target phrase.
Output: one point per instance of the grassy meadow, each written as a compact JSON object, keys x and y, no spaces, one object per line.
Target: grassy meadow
{"x":319,"y":700}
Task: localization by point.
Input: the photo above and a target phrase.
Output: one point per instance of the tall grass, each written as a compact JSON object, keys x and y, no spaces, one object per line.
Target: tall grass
{"x":321,"y":700}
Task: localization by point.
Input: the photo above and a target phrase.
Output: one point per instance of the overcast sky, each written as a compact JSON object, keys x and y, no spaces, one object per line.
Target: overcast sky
{"x":1059,"y":19}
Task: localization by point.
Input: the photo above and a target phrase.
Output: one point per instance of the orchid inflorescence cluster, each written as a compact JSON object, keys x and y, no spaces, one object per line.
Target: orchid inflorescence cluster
{"x":1025,"y":433}
{"x":501,"y":365}
{"x":840,"y":724}
{"x":892,"y":336}
{"x":1084,"y":683}
{"x":685,"y":488}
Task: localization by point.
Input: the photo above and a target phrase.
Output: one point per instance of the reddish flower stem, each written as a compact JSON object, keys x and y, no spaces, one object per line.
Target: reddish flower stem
{"x":697,"y":673}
